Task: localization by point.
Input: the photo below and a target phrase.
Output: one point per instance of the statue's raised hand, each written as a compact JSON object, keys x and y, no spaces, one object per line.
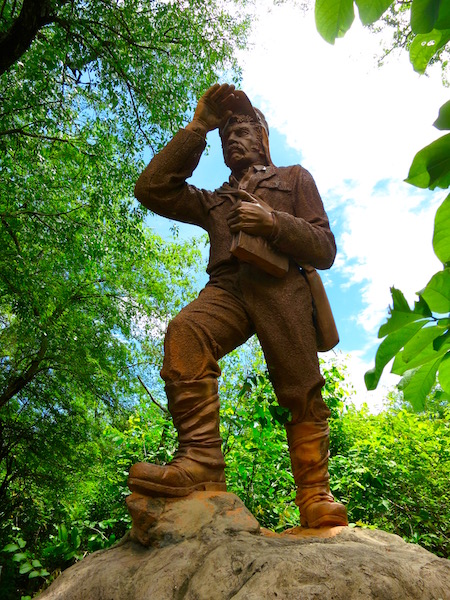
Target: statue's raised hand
{"x":212,"y":108}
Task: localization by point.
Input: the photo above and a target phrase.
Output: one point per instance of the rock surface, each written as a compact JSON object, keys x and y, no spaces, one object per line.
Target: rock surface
{"x":209,"y":547}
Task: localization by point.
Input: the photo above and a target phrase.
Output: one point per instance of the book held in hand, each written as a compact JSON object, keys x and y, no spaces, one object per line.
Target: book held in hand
{"x":257,"y":251}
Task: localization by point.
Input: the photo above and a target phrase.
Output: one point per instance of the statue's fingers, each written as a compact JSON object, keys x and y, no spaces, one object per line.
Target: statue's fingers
{"x":224,"y":96}
{"x":236,"y":227}
{"x":211,"y":91}
{"x":225,"y":89}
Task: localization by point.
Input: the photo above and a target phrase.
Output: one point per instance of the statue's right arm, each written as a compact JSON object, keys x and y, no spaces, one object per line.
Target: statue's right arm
{"x":162,"y":185}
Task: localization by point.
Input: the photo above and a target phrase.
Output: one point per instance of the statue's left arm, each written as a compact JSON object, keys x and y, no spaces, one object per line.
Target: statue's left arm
{"x":302,"y":231}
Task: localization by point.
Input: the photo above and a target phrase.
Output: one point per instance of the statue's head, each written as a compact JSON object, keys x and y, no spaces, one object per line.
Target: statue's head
{"x":245,"y":135}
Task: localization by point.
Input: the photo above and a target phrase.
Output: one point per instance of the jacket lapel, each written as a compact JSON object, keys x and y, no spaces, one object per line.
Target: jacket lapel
{"x":252,"y":183}
{"x":261,"y":175}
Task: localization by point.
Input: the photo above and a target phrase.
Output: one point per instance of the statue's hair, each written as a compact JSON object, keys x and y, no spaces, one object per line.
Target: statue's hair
{"x":242,"y":119}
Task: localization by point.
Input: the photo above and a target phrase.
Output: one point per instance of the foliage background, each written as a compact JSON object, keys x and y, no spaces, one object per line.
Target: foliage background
{"x":86,"y":291}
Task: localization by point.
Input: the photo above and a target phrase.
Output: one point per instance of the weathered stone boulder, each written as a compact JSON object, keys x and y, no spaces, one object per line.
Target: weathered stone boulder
{"x":209,"y":547}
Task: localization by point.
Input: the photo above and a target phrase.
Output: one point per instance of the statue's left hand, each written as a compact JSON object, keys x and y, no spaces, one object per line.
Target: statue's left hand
{"x":253,"y":217}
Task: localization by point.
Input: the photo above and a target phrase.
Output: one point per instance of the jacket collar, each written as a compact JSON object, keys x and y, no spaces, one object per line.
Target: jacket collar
{"x":260,"y":173}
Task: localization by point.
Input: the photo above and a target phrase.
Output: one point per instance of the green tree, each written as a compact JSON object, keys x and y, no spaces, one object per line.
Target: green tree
{"x":80,"y":274}
{"x":418,"y":338}
{"x":86,"y":286}
{"x":392,"y":472}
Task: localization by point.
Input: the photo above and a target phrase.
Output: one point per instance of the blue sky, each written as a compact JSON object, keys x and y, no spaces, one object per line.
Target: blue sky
{"x":356,"y":128}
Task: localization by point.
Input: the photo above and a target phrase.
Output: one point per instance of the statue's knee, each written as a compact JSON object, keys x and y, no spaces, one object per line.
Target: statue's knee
{"x":180,"y":328}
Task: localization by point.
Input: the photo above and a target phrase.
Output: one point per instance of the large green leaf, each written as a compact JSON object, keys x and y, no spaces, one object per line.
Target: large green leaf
{"x":370,"y":11}
{"x":388,"y":349}
{"x":421,"y":307}
{"x":444,"y":373}
{"x":417,"y":384}
{"x":400,"y":314}
{"x":424,"y":14}
{"x":421,"y":340}
{"x":425,"y":45}
{"x":333,"y":18}
{"x":443,"y":21}
{"x":443,"y":120}
{"x":437,"y":292}
{"x":431,"y":165}
{"x":429,"y":354}
{"x":441,"y":236}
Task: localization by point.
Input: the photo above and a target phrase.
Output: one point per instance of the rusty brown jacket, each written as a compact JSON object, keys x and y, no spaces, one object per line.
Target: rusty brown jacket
{"x":302,"y":229}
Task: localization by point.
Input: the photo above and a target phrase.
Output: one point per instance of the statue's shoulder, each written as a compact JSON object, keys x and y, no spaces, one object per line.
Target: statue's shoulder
{"x":291,"y":172}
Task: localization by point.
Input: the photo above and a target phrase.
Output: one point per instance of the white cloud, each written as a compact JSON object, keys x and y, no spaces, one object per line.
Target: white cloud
{"x":355,"y":125}
{"x":350,"y":119}
{"x":386,"y":240}
{"x":356,"y":367}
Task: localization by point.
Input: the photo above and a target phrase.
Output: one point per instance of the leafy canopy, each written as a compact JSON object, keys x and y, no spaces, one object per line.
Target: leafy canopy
{"x":429,"y":23}
{"x":86,"y":287}
{"x":419,"y":338}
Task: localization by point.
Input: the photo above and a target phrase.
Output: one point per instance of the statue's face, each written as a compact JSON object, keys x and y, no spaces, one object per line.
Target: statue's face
{"x":242,"y":146}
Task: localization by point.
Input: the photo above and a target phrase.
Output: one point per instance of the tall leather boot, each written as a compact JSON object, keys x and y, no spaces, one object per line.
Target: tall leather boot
{"x":308,"y":447}
{"x":198,"y":464}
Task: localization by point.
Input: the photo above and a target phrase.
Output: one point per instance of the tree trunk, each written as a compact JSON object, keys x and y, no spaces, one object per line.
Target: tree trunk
{"x":18,"y":383}
{"x":18,"y":38}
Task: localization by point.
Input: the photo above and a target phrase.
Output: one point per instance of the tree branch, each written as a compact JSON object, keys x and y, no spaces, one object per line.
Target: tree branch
{"x":164,"y":410}
{"x":21,"y":381}
{"x":37,"y":213}
{"x":18,"y":38}
{"x":12,"y":235}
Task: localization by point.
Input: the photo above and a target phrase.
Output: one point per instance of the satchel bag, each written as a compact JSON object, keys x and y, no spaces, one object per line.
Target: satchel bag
{"x":327,"y":336}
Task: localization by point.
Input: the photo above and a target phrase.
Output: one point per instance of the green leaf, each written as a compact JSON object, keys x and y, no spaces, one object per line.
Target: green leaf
{"x":62,"y":533}
{"x":333,"y":18}
{"x":440,"y":341}
{"x":431,"y":165}
{"x":19,"y":556}
{"x":444,"y":373}
{"x":428,"y":354}
{"x":437,"y":292}
{"x":399,"y":300}
{"x":425,"y":45}
{"x":416,"y":384}
{"x":33,"y":574}
{"x":36,"y":563}
{"x":443,"y":120}
{"x":400,"y":314}
{"x":397,"y":320}
{"x":441,"y":236}
{"x":443,"y":21}
{"x":422,"y":308}
{"x":424,"y":14}
{"x":420,"y":341}
{"x":10,"y":548}
{"x":25,"y":568}
{"x":370,"y":11}
{"x":388,"y":349}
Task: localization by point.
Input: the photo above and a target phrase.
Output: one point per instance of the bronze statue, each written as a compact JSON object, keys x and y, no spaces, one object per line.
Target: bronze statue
{"x":267,"y":228}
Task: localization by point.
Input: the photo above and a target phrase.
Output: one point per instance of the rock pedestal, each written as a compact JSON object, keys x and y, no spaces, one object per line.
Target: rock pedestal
{"x":208,"y":546}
